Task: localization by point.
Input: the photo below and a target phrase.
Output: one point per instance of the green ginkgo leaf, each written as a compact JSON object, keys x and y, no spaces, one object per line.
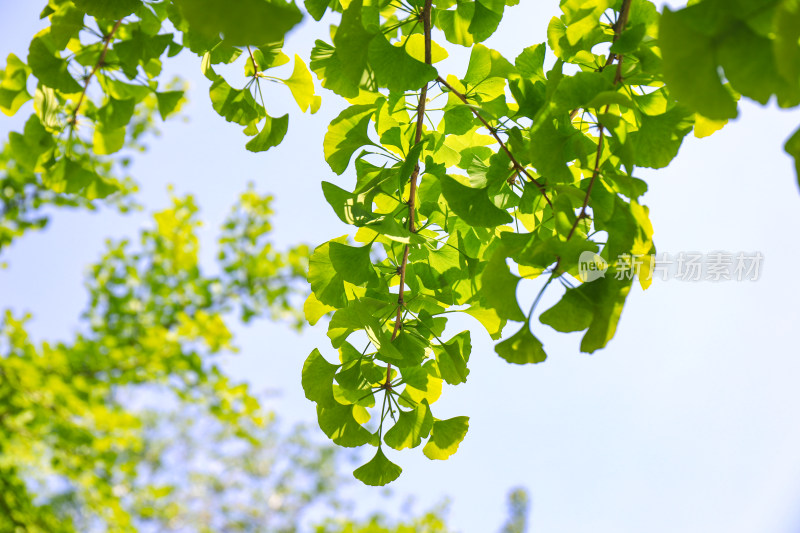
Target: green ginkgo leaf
{"x":792,"y":148}
{"x":489,"y":318}
{"x":107,"y":140}
{"x":108,"y":9}
{"x":338,"y":422}
{"x":395,"y":69}
{"x":328,"y":66}
{"x":473,"y":204}
{"x":72,"y":177}
{"x":446,"y":435}
{"x":241,"y":23}
{"x":302,"y":87}
{"x":530,"y":63}
{"x":690,"y":65}
{"x":13,"y":85}
{"x":499,"y":288}
{"x":378,"y":471}
{"x":66,"y":23}
{"x":355,"y":209}
{"x":272,"y":133}
{"x":49,"y":69}
{"x":317,"y":379}
{"x":452,"y":358}
{"x":326,"y":283}
{"x":235,"y":105}
{"x":169,"y":102}
{"x":521,"y":348}
{"x":346,"y":134}
{"x":353,"y":264}
{"x":659,"y":137}
{"x":411,"y":427}
{"x":596,"y":305}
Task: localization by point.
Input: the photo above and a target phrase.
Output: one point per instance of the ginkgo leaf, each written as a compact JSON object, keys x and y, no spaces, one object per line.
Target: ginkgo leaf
{"x":301,"y":85}
{"x":489,"y":318}
{"x":395,"y":69}
{"x":378,"y":471}
{"x":67,"y":22}
{"x":49,"y":69}
{"x":108,"y":9}
{"x":339,"y":423}
{"x":318,"y":378}
{"x":446,"y":435}
{"x":422,"y":383}
{"x":787,"y":36}
{"x":241,"y":23}
{"x":13,"y":85}
{"x":169,"y":102}
{"x":659,"y":138}
{"x":792,"y":148}
{"x":313,"y":309}
{"x":499,"y":288}
{"x":472,"y":204}
{"x":355,"y":209}
{"x":415,"y":47}
{"x":530,"y":63}
{"x":411,"y":427}
{"x":595,"y":305}
{"x":353,"y":264}
{"x":235,"y":105}
{"x":452,"y":358}
{"x":107,"y":140}
{"x":703,"y":127}
{"x":346,"y":134}
{"x":72,"y":177}
{"x":272,"y":133}
{"x":521,"y":348}
{"x":690,"y":66}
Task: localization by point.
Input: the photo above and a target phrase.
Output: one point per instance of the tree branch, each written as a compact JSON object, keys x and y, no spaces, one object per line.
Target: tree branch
{"x":520,"y":170}
{"x":412,"y":193}
{"x":618,"y":27}
{"x":73,"y":120}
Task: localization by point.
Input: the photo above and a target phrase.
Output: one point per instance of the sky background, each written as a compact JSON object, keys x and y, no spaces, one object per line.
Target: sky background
{"x":687,"y":421}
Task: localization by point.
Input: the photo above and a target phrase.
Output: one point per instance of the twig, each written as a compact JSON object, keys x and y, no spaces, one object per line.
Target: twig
{"x":517,"y":166}
{"x":412,"y":193}
{"x":253,"y":59}
{"x":618,"y":27}
{"x":100,"y":63}
{"x":612,"y":56}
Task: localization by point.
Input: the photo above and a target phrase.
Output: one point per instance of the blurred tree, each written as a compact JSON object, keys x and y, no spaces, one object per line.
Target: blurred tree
{"x":518,"y":509}
{"x":133,"y":426}
{"x":155,"y":323}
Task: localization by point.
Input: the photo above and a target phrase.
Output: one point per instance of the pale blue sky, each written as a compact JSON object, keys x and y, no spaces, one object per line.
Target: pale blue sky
{"x":686,"y":422}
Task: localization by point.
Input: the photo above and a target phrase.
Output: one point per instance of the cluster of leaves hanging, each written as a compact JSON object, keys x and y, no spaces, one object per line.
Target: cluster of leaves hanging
{"x":98,"y":72}
{"x":517,"y":170}
{"x":515,"y":174}
{"x":509,"y":165}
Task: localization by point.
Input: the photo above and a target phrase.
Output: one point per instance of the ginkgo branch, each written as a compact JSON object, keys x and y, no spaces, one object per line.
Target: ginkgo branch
{"x":73,"y":120}
{"x":517,"y":166}
{"x":618,"y":27}
{"x":622,"y":20}
{"x":412,"y":193}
